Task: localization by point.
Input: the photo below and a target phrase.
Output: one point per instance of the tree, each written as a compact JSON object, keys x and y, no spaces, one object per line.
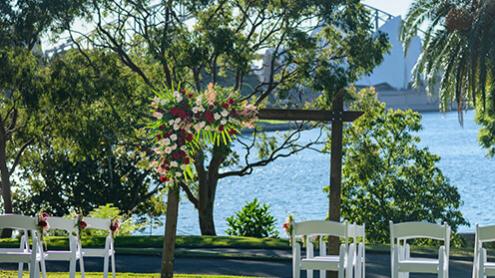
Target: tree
{"x":89,"y":157}
{"x":21,"y":83}
{"x":22,"y":80}
{"x":387,"y":176}
{"x":458,"y":53}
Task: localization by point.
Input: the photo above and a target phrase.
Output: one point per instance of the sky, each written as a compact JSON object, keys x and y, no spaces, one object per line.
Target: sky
{"x":394,"y":7}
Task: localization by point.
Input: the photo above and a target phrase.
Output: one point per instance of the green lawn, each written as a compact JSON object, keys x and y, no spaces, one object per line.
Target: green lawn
{"x":156,"y":242}
{"x":119,"y":275}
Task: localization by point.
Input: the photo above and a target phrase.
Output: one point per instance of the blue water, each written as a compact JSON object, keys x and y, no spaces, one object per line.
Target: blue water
{"x":294,"y":185}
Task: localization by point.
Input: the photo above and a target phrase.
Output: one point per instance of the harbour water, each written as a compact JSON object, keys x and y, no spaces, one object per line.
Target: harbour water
{"x":294,"y":185}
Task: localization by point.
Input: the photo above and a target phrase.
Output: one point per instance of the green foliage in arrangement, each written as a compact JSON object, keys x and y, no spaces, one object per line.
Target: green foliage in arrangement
{"x":388,"y":176}
{"x":253,"y":220}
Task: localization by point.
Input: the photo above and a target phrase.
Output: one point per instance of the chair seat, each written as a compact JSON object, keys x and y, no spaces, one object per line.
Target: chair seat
{"x":419,"y":265}
{"x":321,"y":262}
{"x":91,"y":252}
{"x":15,"y":256}
{"x":489,"y":268}
{"x":59,"y":255}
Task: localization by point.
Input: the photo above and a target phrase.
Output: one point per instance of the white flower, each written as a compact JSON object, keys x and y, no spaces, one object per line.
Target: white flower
{"x":178,"y":96}
{"x":183,"y":147}
{"x":223,"y":121}
{"x":163,"y":102}
{"x":165,"y":142}
{"x":178,"y":174}
{"x":195,"y":110}
{"x":183,"y":167}
{"x":157,"y":115}
{"x":197,"y":127}
{"x":171,"y":122}
{"x":177,"y":120}
{"x":173,"y":137}
{"x":168,"y":150}
{"x":176,"y":126}
{"x":174,"y":146}
{"x":225,"y":113}
{"x":174,"y":164}
{"x":216,"y":116}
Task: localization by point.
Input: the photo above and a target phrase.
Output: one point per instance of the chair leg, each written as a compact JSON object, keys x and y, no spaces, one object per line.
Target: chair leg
{"x":43,"y":268}
{"x":36,"y":269}
{"x":72,"y":268}
{"x":31,"y":270}
{"x":113,"y":265}
{"x":105,"y":266}
{"x":21,"y":268}
{"x":81,"y":267}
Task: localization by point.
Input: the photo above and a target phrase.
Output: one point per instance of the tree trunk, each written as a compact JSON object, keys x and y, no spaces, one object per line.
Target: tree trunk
{"x":170,"y":233}
{"x":207,"y":190}
{"x":206,"y":221}
{"x":336,"y":172}
{"x":5,"y":183}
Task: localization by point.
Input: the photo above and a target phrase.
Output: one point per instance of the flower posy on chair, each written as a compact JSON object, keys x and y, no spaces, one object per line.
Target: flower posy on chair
{"x":288,"y":226}
{"x":115,"y":226}
{"x":80,"y":224}
{"x":43,"y":226}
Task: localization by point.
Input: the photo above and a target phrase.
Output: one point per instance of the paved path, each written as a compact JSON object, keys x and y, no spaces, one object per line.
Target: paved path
{"x":378,"y":266}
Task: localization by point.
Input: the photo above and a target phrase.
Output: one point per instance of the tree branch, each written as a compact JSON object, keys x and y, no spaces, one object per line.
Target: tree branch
{"x":19,"y":154}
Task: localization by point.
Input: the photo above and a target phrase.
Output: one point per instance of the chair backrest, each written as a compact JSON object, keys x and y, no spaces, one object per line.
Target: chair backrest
{"x":356,"y":231}
{"x":411,"y":230}
{"x":317,"y":227}
{"x":60,"y":223}
{"x":98,"y":223}
{"x":18,"y":222}
{"x":485,"y":234}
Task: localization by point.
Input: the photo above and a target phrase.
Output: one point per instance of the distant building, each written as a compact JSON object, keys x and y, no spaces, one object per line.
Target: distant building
{"x":396,"y":68}
{"x":392,"y":78}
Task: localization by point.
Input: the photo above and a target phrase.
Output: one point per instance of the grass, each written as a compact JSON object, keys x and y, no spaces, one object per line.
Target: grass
{"x":156,"y":242}
{"x":8,"y":274}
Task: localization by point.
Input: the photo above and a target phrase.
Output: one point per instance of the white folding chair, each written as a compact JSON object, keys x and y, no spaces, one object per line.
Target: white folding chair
{"x":481,"y":267}
{"x":74,"y":253}
{"x":33,"y":256}
{"x":401,"y":261}
{"x":108,"y":252}
{"x":342,"y":263}
{"x":358,"y":248}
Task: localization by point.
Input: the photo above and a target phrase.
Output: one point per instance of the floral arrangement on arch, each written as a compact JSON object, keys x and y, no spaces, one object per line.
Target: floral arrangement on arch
{"x":184,"y":120}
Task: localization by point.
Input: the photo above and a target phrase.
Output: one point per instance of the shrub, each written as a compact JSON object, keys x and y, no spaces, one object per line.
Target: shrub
{"x":253,"y":220}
